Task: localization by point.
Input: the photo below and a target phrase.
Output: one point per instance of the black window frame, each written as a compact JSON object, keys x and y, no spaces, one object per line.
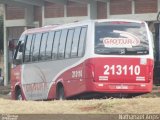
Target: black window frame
{"x":57,"y":45}
{"x":84,"y":42}
{"x":52,"y":33}
{"x":34,"y":48}
{"x":46,"y":39}
{"x":66,"y":47}
{"x":77,"y":42}
{"x":30,"y":56}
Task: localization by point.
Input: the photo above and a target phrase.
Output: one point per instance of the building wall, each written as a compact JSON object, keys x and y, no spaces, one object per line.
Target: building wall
{"x":73,"y":9}
{"x":120,"y":7}
{"x":53,"y":10}
{"x":14,"y":32}
{"x":14,"y":12}
{"x":76,"y":9}
{"x":101,"y":10}
{"x":38,"y":14}
{"x":146,"y":6}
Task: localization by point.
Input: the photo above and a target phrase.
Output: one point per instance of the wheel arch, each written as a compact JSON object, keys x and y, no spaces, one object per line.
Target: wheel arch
{"x":59,"y":84}
{"x":58,"y":87}
{"x":17,"y":87}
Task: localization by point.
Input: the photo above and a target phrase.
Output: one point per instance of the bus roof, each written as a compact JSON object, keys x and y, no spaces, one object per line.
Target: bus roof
{"x":59,"y":26}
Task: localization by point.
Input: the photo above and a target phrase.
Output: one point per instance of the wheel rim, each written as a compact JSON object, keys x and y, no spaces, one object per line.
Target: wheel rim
{"x":19,"y":95}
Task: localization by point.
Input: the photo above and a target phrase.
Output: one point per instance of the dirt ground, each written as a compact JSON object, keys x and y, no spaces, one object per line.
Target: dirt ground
{"x":95,"y":109}
{"x":95,"y":106}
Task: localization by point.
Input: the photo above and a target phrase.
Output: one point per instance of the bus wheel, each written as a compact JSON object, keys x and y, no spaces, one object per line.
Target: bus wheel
{"x":18,"y":95}
{"x":60,"y":93}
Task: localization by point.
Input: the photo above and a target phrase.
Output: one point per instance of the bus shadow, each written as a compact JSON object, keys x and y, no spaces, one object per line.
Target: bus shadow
{"x":89,"y":96}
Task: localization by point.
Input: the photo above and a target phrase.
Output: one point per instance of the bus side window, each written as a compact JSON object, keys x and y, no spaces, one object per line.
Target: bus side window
{"x":27,"y":54}
{"x":49,"y":45}
{"x":69,"y":43}
{"x":32,"y":47}
{"x":35,"y":53}
{"x":74,"y":51}
{"x":81,"y":47}
{"x":43,"y":46}
{"x":56,"y":44}
{"x":62,"y":44}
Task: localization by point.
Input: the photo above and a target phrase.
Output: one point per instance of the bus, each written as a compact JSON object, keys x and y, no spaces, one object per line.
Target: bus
{"x":86,"y":57}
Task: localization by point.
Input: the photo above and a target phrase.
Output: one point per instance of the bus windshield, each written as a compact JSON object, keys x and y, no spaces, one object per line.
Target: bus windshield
{"x":121,"y":38}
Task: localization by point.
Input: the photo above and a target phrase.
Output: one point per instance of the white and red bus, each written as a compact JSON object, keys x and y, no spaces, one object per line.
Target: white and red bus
{"x":94,"y":56}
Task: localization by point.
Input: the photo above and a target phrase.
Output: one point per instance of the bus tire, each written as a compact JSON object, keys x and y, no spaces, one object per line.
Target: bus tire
{"x":18,"y":94}
{"x":60,"y":93}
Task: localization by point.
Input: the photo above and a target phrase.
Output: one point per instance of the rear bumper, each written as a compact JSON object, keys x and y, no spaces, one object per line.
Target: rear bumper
{"x":121,"y":87}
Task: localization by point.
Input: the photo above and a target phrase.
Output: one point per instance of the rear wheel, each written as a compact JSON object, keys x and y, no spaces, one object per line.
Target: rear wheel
{"x":18,"y":95}
{"x":60,"y":93}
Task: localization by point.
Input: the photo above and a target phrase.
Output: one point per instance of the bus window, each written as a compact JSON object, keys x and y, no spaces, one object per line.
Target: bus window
{"x":43,"y":46}
{"x":28,"y":47}
{"x":69,"y":43}
{"x":49,"y":45}
{"x":75,"y":42}
{"x":81,"y":47}
{"x":62,"y":44}
{"x":56,"y":44}
{"x":121,"y":38}
{"x":35,"y":54}
{"x":32,"y":46}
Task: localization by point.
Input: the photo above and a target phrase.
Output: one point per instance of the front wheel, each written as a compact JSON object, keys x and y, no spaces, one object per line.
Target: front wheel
{"x":60,"y":93}
{"x":19,"y":95}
